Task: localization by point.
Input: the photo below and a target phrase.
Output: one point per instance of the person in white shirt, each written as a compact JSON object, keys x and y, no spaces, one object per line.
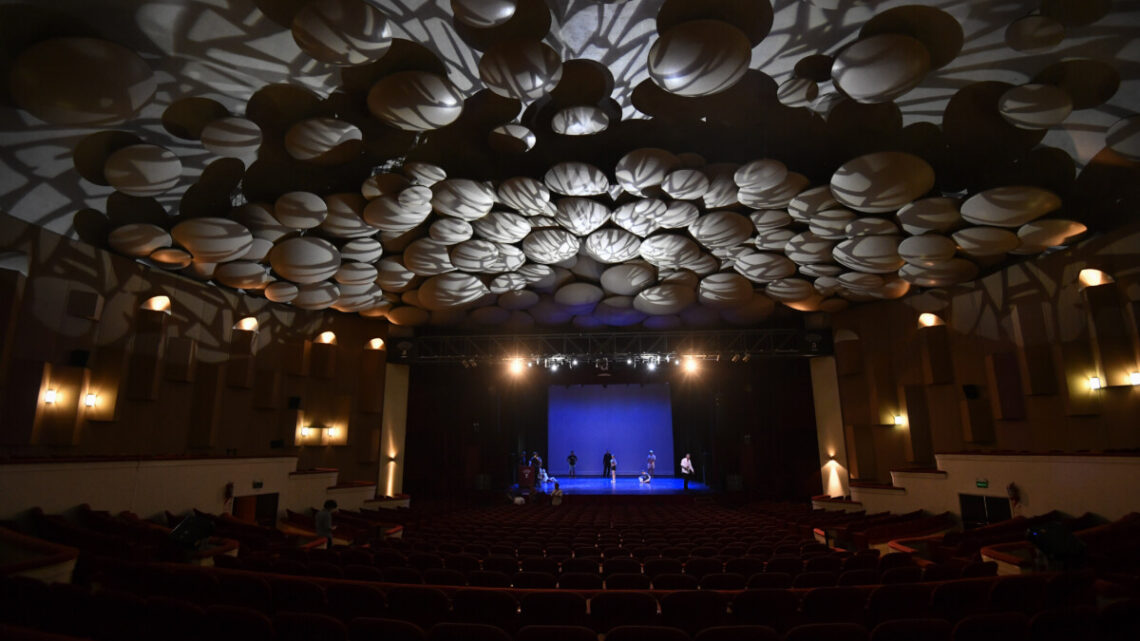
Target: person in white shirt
{"x":613,"y":469}
{"x":686,"y":469}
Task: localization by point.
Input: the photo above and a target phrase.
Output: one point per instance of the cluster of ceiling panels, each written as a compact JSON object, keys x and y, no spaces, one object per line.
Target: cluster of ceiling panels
{"x":506,"y":164}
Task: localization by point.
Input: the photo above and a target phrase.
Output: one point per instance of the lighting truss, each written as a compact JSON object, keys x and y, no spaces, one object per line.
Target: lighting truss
{"x":605,"y":349}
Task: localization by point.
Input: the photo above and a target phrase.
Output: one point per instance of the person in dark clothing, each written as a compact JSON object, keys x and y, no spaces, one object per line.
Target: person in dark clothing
{"x":606,"y":463}
{"x":324,"y":524}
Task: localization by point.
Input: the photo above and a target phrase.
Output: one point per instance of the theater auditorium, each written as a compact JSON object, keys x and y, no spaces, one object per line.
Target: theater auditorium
{"x":561,"y":320}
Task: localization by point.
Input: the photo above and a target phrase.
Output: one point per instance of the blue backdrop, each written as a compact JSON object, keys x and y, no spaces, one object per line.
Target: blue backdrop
{"x":629,"y":420}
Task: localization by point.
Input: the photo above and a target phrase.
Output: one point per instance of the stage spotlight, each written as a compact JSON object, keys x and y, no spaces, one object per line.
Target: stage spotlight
{"x":629,"y":361}
{"x":516,"y":366}
{"x":745,"y":358}
{"x":735,"y":357}
{"x":574,"y":363}
{"x":651,"y":365}
{"x":690,"y":364}
{"x":554,"y":367}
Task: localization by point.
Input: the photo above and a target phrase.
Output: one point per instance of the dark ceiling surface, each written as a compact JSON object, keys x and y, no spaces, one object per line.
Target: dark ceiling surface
{"x":503,"y":165}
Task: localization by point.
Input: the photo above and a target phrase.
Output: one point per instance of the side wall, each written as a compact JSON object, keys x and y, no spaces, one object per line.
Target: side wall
{"x":186,"y":382}
{"x":1009,"y":369}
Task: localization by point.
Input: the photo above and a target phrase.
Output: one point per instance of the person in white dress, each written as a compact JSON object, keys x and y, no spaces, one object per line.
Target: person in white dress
{"x":687,"y":469}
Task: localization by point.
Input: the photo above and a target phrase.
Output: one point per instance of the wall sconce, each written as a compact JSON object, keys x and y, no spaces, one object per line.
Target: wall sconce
{"x":1095,"y":383}
{"x":332,"y":432}
{"x":900,"y":419}
{"x":157,"y":303}
{"x":91,"y":399}
{"x":305,"y":431}
{"x":249,"y":324}
{"x":1134,"y":378}
{"x":926,"y":319}
{"x":50,"y":396}
{"x":328,"y":338}
{"x":376,"y":343}
{"x":1093,"y":278}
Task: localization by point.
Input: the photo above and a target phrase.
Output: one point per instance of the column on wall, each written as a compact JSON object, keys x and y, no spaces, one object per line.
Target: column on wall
{"x":829,"y":426}
{"x":395,"y":424}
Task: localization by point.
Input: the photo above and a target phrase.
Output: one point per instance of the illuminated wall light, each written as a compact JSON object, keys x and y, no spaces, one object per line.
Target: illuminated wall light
{"x":1134,"y":378}
{"x":1093,"y":278}
{"x":376,"y":343}
{"x":1095,"y":383}
{"x":305,"y":431}
{"x":900,"y":419}
{"x":157,"y":303}
{"x":333,"y":432}
{"x":51,"y":396}
{"x":90,"y":400}
{"x":249,"y":324}
{"x":328,"y":338}
{"x":927,"y":319}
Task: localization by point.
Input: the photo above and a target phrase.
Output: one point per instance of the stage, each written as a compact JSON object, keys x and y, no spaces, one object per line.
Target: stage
{"x":624,"y":486}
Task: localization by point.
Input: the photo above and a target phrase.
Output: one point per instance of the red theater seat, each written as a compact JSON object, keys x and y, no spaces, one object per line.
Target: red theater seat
{"x":379,"y":629}
{"x":912,"y":630}
{"x":827,"y":632}
{"x":693,"y":610}
{"x":232,"y":623}
{"x":646,"y":633}
{"x":303,"y":626}
{"x":491,"y":607}
{"x":737,"y":633}
{"x":556,"y":633}
{"x":467,"y":632}
{"x":611,"y":609}
{"x":773,"y":607}
{"x":559,"y":608}
{"x":350,"y":600}
{"x":998,"y":626}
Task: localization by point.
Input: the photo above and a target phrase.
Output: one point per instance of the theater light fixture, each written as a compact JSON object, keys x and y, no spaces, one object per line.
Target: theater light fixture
{"x":1093,"y":278}
{"x":90,"y":399}
{"x":1134,"y":378}
{"x":157,"y":304}
{"x":690,"y":364}
{"x":1095,"y":383}
{"x":516,"y":366}
{"x":305,"y":431}
{"x":376,"y":343}
{"x":332,"y":432}
{"x":249,"y":324}
{"x":900,"y":419}
{"x":328,"y":338}
{"x":50,"y":396}
{"x":930,"y":320}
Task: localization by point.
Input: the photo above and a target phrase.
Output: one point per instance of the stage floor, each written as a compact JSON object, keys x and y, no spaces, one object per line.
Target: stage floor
{"x":598,"y":486}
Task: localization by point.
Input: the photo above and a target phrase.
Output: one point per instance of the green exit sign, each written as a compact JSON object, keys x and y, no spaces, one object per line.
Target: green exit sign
{"x":982,"y":483}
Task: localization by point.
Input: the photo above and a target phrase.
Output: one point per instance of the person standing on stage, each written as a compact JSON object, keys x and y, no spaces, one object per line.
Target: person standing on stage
{"x":572,"y":460}
{"x":687,"y":469}
{"x":613,"y":469}
{"x":651,"y":463}
{"x":607,"y":461}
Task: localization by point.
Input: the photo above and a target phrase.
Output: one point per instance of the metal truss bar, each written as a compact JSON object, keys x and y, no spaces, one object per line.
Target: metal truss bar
{"x":703,"y":345}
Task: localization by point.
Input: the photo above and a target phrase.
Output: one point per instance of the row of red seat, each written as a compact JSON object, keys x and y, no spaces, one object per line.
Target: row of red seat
{"x":298,"y":614}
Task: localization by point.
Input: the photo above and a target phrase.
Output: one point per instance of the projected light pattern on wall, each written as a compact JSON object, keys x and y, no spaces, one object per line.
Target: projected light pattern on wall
{"x":525,"y":163}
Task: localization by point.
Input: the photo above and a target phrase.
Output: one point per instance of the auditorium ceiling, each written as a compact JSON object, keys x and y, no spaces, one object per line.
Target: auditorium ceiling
{"x":503,"y":165}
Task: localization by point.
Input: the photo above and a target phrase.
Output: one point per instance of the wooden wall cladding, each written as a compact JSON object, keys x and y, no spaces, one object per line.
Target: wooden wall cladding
{"x":206,"y":408}
{"x":1035,"y":353}
{"x":84,"y":304}
{"x":1080,"y":398}
{"x":918,"y":419}
{"x":240,"y":368}
{"x":295,"y":358}
{"x":1003,"y":373}
{"x":323,"y":360}
{"x":848,"y":357}
{"x":937,"y":364}
{"x":371,"y":380}
{"x":977,"y":415}
{"x":267,"y":389}
{"x":181,"y":358}
{"x":57,"y":423}
{"x":12,"y":285}
{"x":1112,"y":338}
{"x":145,"y":360}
